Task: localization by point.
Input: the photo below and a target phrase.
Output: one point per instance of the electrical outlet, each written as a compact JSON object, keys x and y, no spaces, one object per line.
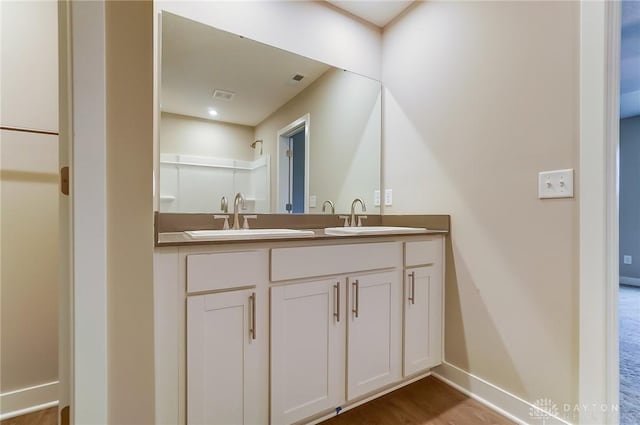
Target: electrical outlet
{"x":628,"y":259}
{"x":388,"y":197}
{"x":312,"y":201}
{"x":376,"y":198}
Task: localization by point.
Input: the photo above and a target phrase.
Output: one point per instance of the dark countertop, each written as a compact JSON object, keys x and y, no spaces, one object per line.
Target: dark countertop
{"x":182,"y":239}
{"x":170,"y":227}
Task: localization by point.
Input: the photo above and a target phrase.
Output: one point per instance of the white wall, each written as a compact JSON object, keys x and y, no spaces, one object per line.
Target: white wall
{"x":29,"y":203}
{"x":480,"y":97}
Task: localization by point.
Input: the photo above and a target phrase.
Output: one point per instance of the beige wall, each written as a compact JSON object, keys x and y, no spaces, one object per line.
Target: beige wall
{"x":481,"y":96}
{"x":196,"y":136}
{"x":28,"y":201}
{"x":314,"y":29}
{"x":344,"y":138}
{"x":129,"y":72}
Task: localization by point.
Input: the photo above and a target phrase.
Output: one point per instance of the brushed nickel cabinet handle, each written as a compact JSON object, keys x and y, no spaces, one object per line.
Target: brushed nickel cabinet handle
{"x":252,"y":330}
{"x":356,"y":297}
{"x":336,"y":304}
{"x":412,"y":298}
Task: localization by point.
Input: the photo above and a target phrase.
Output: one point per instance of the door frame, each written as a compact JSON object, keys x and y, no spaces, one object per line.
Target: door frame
{"x":282,"y":137}
{"x":598,"y":374}
{"x":83,"y":300}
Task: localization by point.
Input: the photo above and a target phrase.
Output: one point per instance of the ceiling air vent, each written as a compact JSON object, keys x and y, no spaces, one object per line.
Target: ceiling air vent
{"x":297,"y":77}
{"x":223,"y":95}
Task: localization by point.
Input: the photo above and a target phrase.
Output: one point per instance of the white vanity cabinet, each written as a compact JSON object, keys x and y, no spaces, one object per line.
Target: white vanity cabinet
{"x":314,"y":322}
{"x":307,"y":349}
{"x":375,"y":334}
{"x":227,"y":338}
{"x":287,"y":332}
{"x":423,"y":305}
{"x":222,"y":358}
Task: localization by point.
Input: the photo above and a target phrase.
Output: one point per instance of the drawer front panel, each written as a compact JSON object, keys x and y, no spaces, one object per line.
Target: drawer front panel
{"x":224,"y":270}
{"x":316,"y":261}
{"x":421,"y":253}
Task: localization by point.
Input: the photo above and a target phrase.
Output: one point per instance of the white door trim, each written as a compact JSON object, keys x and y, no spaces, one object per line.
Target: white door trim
{"x":598,"y":334}
{"x":284,"y":133}
{"x":89,"y":213}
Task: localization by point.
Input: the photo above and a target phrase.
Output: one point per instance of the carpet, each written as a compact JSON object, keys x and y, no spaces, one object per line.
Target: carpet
{"x":629,"y":332}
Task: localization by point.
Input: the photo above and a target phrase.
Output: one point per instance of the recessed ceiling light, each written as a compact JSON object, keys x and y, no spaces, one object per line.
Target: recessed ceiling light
{"x":213,"y":112}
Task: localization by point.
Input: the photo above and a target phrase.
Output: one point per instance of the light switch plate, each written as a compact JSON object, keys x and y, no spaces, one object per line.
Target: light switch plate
{"x":388,"y":197}
{"x":376,"y":198}
{"x":312,"y":201}
{"x":628,"y":259}
{"x":555,"y":184}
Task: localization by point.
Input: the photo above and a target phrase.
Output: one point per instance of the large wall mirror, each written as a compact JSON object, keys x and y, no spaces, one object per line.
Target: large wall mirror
{"x":240,"y":116}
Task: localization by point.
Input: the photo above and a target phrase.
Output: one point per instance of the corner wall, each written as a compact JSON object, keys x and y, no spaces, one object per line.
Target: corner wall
{"x":480,"y":97}
{"x":129,"y":113}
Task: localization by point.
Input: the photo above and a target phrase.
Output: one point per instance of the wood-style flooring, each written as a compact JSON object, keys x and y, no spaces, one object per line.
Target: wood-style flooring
{"x":41,"y":417}
{"x":425,"y":402}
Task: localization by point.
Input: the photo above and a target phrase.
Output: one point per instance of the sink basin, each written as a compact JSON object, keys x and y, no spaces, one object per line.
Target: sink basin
{"x":372,"y":230}
{"x":232,"y":235}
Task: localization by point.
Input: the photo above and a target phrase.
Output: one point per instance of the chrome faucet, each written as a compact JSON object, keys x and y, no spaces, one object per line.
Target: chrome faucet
{"x":328,"y":202}
{"x":224,"y":205}
{"x":239,"y":199}
{"x":352,"y":222}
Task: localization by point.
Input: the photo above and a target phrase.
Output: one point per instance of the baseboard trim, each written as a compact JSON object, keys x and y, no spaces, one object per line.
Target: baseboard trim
{"x":495,"y":398}
{"x":28,"y":400}
{"x":631,"y":281}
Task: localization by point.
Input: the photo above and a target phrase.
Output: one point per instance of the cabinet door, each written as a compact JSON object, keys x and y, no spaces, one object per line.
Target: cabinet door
{"x":374,"y":332}
{"x":307,"y":349}
{"x":223,"y":382}
{"x":29,"y":67}
{"x":422,"y":319}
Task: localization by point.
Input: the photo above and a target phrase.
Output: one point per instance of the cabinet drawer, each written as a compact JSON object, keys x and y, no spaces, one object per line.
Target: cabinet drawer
{"x":421,"y":253}
{"x":315,"y":261}
{"x":209,"y":272}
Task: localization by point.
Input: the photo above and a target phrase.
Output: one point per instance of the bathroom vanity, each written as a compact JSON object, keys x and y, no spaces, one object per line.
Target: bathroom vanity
{"x":299,"y":317}
{"x":292,"y":331}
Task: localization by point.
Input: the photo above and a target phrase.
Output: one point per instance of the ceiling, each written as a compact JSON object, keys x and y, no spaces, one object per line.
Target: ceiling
{"x":198,"y":59}
{"x":260,"y":75}
{"x":379,"y":12}
{"x":630,"y":60}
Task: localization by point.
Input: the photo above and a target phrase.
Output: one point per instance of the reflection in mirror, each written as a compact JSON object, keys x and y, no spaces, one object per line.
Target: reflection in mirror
{"x":239,"y":116}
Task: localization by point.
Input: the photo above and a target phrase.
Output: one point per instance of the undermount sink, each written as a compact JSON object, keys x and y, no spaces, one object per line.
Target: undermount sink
{"x":228,"y":235}
{"x":372,"y":230}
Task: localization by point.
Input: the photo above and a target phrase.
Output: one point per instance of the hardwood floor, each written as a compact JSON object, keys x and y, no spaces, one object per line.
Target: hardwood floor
{"x":425,"y":402}
{"x":42,"y":417}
